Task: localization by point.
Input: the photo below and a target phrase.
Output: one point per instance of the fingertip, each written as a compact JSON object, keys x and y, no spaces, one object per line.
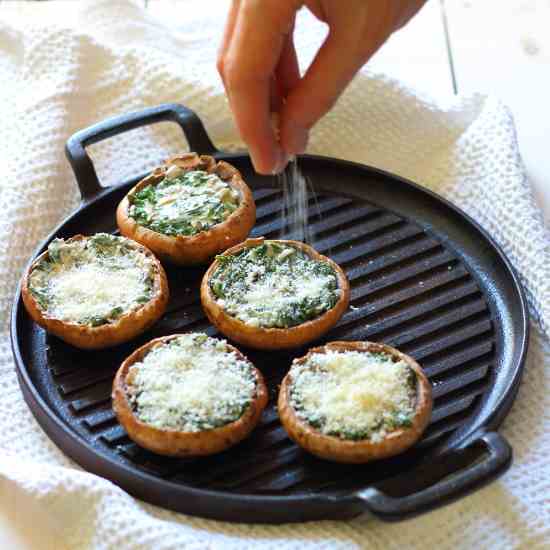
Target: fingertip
{"x":294,"y":137}
{"x":280,"y":165}
{"x":268,"y":162}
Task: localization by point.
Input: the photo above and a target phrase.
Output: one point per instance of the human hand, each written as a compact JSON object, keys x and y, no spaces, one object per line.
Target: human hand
{"x":258,"y":65}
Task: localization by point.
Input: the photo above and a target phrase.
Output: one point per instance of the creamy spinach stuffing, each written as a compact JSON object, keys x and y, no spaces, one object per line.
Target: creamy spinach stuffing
{"x":191,"y":383}
{"x":274,"y":285}
{"x":183,"y":204}
{"x":92,"y":281}
{"x":353,"y":395}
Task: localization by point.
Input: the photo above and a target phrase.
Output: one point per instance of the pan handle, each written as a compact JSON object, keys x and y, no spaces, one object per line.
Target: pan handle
{"x":83,"y":168}
{"x":495,"y":462}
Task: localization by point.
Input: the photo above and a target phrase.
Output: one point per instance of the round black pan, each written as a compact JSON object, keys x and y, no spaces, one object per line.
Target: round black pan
{"x":425,"y":278}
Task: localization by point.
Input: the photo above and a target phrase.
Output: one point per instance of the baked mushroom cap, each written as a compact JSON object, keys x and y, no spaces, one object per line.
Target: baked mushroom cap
{"x":274,"y":337}
{"x":125,"y":320}
{"x":165,"y":412}
{"x":200,"y":247}
{"x":384,"y":440}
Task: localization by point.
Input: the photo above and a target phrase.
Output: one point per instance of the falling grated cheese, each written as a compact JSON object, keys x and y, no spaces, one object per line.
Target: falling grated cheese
{"x":190,"y":384}
{"x":353,"y":395}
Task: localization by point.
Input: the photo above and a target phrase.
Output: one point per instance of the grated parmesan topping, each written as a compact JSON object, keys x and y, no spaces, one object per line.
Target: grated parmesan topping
{"x":353,"y":395}
{"x":92,"y":281}
{"x":190,"y":384}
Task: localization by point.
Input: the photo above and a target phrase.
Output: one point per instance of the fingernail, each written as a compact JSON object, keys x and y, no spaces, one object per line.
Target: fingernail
{"x":297,"y":139}
{"x":261,"y":166}
{"x":280,"y":164}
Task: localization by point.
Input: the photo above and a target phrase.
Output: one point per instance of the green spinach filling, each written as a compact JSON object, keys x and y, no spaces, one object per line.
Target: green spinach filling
{"x":185,"y":204}
{"x":274,"y":285}
{"x":92,"y":281}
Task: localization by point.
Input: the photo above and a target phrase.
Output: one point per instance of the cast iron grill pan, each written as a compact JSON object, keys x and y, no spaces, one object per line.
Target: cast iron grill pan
{"x":425,"y":278}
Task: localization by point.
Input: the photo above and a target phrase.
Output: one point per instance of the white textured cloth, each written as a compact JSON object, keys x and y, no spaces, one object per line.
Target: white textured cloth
{"x":111,"y":58}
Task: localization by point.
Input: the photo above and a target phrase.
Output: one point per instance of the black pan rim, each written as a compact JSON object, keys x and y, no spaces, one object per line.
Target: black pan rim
{"x":505,"y":400}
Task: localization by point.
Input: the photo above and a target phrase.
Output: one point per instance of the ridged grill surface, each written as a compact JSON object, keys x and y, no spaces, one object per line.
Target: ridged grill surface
{"x":408,"y":290}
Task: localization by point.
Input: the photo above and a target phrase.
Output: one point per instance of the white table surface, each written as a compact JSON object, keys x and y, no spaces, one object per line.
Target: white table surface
{"x":496,"y":47}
